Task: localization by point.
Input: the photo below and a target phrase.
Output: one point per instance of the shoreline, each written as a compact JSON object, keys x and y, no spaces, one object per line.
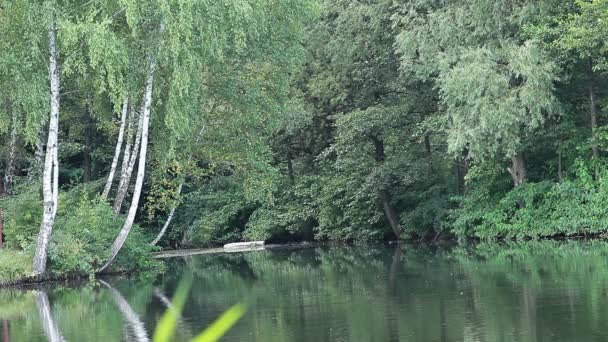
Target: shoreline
{"x":38,"y":281}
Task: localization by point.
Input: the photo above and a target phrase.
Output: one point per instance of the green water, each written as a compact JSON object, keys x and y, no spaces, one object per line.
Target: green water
{"x":536,"y":291}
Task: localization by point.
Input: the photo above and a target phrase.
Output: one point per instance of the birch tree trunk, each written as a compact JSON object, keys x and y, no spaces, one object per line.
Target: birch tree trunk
{"x":125,"y":179}
{"x":141,"y":168}
{"x":169,"y":218}
{"x":121,"y":131}
{"x":50,"y":171}
{"x":9,"y":176}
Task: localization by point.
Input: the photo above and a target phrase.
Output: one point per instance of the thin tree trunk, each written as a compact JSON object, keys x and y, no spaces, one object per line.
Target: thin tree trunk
{"x":132,"y":318}
{"x":290,"y":169}
{"x":518,"y":170}
{"x":9,"y":176}
{"x":1,"y":226}
{"x":50,"y":172}
{"x":125,"y":179}
{"x":427,"y":145}
{"x":391,"y":214}
{"x":459,"y":174}
{"x":169,"y":218}
{"x":121,"y":131}
{"x":560,"y":172}
{"x":51,"y":329}
{"x":133,"y":119}
{"x":593,"y":117}
{"x":141,"y":168}
{"x":385,"y":197}
{"x":86,"y":153}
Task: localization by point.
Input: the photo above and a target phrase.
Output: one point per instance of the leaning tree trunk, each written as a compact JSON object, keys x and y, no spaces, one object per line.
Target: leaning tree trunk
{"x":9,"y":176}
{"x":392,"y":216}
{"x":50,"y":172}
{"x":593,"y":117}
{"x":518,"y":169}
{"x":169,"y":218}
{"x":141,"y":168}
{"x":121,"y":131}
{"x":125,"y":178}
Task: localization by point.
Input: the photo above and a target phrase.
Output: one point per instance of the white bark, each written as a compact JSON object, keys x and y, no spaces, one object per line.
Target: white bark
{"x":169,"y":218}
{"x":51,"y":329}
{"x":141,"y":168}
{"x":121,"y":131}
{"x":125,"y":179}
{"x":50,"y":171}
{"x":132,"y":318}
{"x":9,"y":176}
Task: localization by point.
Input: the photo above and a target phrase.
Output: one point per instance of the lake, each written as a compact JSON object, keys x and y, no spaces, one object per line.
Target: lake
{"x":533,"y":291}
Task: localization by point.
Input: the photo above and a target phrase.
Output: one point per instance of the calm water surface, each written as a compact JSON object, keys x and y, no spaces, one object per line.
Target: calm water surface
{"x":535,"y":291}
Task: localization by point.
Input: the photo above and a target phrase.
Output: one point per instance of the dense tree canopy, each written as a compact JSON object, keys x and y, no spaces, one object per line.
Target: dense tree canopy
{"x":207,"y":122}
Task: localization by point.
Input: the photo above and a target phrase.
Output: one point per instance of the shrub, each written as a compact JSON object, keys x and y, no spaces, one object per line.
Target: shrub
{"x":22,"y":216}
{"x":14,"y":265}
{"x":83,"y":236}
{"x":84,"y":230}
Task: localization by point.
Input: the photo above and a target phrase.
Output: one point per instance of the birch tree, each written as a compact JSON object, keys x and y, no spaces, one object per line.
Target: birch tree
{"x":129,"y":159}
{"x":50,"y":175}
{"x":141,"y":169}
{"x":117,"y":150}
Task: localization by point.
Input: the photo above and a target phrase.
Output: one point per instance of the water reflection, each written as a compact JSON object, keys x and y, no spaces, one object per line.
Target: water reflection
{"x":131,"y":317}
{"x":534,"y":291}
{"x":51,"y":330}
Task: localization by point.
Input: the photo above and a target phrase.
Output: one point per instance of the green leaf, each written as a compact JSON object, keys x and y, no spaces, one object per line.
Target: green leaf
{"x":222,"y":324}
{"x":166,"y":326}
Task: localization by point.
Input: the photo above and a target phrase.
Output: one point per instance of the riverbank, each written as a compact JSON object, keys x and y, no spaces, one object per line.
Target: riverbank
{"x":219,"y":250}
{"x":15,"y":266}
{"x":16,"y":270}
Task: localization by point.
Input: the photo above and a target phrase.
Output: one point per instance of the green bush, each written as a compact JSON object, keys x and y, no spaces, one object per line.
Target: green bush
{"x":214,"y":214}
{"x":14,"y":265}
{"x":84,"y":230}
{"x":83,"y":236}
{"x":22,"y":216}
{"x":535,"y":210}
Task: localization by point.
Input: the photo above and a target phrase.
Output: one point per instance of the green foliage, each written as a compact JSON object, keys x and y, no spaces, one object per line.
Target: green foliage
{"x":22,"y":217}
{"x":536,"y":210}
{"x":84,"y":230}
{"x":83,"y":237}
{"x":216,"y":213}
{"x":14,"y":265}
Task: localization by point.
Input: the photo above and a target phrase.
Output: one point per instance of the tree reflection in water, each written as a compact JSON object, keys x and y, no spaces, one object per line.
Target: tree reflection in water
{"x":510,"y":292}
